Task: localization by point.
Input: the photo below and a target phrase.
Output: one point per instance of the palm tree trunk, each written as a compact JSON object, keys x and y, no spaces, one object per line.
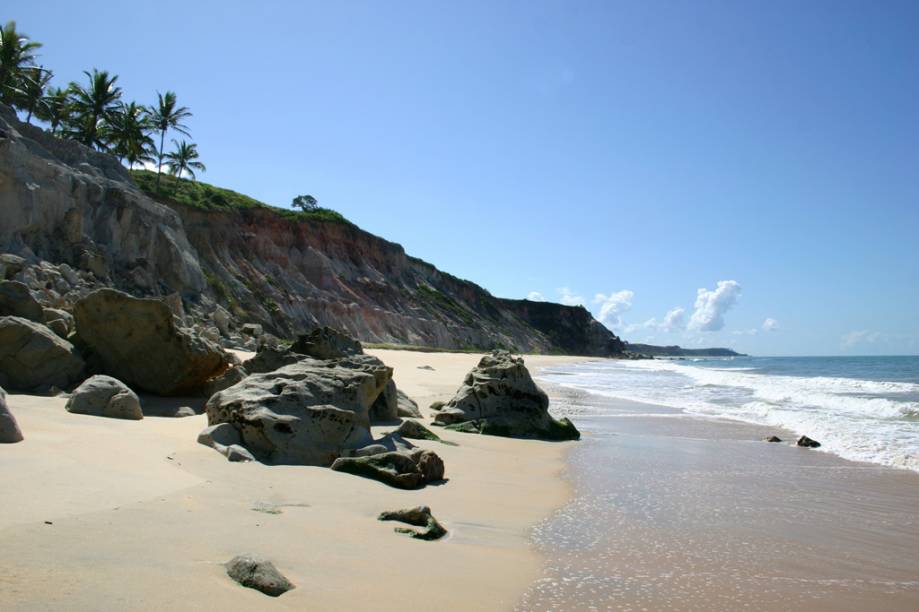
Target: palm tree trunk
{"x":159,"y":158}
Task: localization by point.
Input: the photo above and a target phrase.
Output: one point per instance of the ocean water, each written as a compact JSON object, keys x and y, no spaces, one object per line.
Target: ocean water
{"x":860,"y":408}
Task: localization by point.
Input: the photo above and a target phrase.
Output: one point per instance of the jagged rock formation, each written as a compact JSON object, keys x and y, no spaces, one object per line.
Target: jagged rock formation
{"x":498,"y":397}
{"x":75,"y":216}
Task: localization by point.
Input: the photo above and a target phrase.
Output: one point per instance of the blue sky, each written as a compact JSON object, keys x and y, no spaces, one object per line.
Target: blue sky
{"x":622,"y":154}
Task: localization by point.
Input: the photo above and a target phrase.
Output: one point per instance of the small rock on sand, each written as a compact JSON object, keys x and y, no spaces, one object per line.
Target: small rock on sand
{"x":258,"y":574}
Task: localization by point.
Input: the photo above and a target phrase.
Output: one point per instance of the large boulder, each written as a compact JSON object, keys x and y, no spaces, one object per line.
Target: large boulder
{"x":16,"y":301}
{"x":105,"y":396}
{"x":138,"y":341}
{"x":327,"y":343}
{"x":306,"y":413}
{"x":34,"y":357}
{"x":407,"y":408}
{"x":386,"y":408}
{"x":9,"y":429}
{"x":498,"y":397}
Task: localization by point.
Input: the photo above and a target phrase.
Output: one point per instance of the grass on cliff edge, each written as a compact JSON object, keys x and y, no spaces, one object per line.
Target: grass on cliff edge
{"x":208,"y":197}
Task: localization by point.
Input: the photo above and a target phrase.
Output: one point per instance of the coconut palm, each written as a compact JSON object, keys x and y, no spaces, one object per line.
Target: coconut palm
{"x":17,"y":52}
{"x":166,"y":115}
{"x":31,"y":90}
{"x":93,"y":106}
{"x":54,"y":108}
{"x":183,"y":160}
{"x":128,"y":131}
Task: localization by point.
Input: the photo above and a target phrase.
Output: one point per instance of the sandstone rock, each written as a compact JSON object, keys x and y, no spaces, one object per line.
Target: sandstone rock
{"x":773,"y":439}
{"x":32,"y":356}
{"x":105,"y":396}
{"x":396,"y":469}
{"x":225,"y":381}
{"x":221,"y":319}
{"x":219,"y":435}
{"x":419,"y":516}
{"x":501,"y":399}
{"x":137,"y":341}
{"x":437,"y":406}
{"x":806,"y":442}
{"x":9,"y":429}
{"x":236,"y":453}
{"x":54,"y":314}
{"x":386,"y":406}
{"x":211,"y":333}
{"x":414,"y":430}
{"x":10,"y":265}
{"x":258,"y":574}
{"x":407,"y":407}
{"x":59,"y":327}
{"x":16,"y":301}
{"x":326,"y":343}
{"x":269,"y":359}
{"x":251,"y":329}
{"x":308,"y":412}
{"x":366,"y":451}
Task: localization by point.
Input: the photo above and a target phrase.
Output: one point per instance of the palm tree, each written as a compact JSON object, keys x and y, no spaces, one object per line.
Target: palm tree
{"x":31,"y":90}
{"x":93,"y":106}
{"x":183,"y":159}
{"x":17,"y":52}
{"x":54,"y":108}
{"x":165,"y":115}
{"x":128,"y":130}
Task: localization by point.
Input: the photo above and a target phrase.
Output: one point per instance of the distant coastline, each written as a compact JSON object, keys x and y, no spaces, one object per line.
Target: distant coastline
{"x":678,"y":351}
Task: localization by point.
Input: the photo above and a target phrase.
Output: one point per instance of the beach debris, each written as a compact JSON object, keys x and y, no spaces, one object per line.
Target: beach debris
{"x":773,"y":439}
{"x":105,"y":396}
{"x":34,"y":357}
{"x":258,"y":574}
{"x":396,"y":469}
{"x":806,"y":442}
{"x":425,"y":367}
{"x":138,"y":341}
{"x":419,"y":516}
{"x":499,"y":397}
{"x":9,"y":429}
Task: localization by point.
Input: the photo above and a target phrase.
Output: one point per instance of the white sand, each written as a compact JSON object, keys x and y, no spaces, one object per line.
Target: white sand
{"x":143,"y":516}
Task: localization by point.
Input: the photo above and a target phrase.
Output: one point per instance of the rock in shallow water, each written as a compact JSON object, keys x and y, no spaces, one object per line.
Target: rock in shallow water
{"x":498,"y":397}
{"x":258,"y":574}
{"x":105,"y":396}
{"x":806,"y":442}
{"x":773,"y":439}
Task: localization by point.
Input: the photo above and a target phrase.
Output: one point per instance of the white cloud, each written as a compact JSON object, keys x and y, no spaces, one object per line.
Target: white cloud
{"x":711,"y":306}
{"x":770,"y":324}
{"x":674,"y":319}
{"x":612,"y":306}
{"x":569,"y":298}
{"x":745,"y":332}
{"x":536,"y":296}
{"x":854,"y":338}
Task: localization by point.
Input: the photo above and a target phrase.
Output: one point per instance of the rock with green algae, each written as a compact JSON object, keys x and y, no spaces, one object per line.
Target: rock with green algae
{"x":396,"y":469}
{"x":420,"y":516}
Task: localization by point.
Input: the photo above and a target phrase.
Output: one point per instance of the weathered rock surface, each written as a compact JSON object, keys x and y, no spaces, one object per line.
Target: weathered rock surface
{"x":419,"y":516}
{"x":386,"y":406}
{"x":414,"y":430}
{"x":407,"y":407}
{"x":34,"y":357}
{"x":226,"y":380}
{"x":500,"y":398}
{"x":396,"y":469}
{"x":105,"y":396}
{"x":258,"y":574}
{"x":307,"y":413}
{"x":16,"y":301}
{"x":327,"y":343}
{"x":806,"y":442}
{"x":137,"y":341}
{"x":225,"y":439}
{"x":9,"y":428}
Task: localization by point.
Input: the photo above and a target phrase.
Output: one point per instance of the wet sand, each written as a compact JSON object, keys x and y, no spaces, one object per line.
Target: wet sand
{"x":672,"y":512}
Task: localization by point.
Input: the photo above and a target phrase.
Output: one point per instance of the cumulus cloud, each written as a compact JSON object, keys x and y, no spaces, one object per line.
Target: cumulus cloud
{"x":674,"y":320}
{"x":536,"y":296}
{"x":612,"y":306}
{"x":770,"y":324}
{"x":711,"y":306}
{"x":569,"y":298}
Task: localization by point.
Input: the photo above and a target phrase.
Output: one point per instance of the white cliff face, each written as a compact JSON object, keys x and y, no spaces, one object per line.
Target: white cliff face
{"x":64,"y":203}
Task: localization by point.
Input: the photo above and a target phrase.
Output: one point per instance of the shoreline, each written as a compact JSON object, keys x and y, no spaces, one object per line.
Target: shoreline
{"x":111,"y":514}
{"x":700,"y":513}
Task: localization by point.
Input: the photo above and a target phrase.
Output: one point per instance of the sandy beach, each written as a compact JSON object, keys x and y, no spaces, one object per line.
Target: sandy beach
{"x":107,"y":514}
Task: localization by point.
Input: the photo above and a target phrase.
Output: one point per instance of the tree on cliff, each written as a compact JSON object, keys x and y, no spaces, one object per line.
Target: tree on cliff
{"x":306,"y":203}
{"x":164,"y":116}
{"x":17,"y":53}
{"x":55,"y":108}
{"x":184,"y":159}
{"x":129,"y":129}
{"x":93,"y":106}
{"x":31,"y":91}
